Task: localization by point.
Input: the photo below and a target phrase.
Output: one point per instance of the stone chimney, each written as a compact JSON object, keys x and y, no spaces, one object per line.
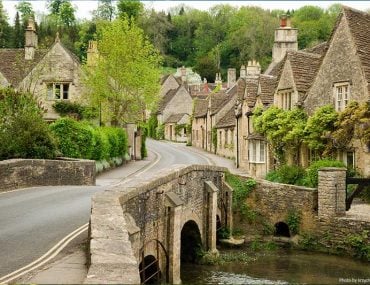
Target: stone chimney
{"x":183,"y":73}
{"x":218,"y":80}
{"x":30,"y":40}
{"x":92,"y":53}
{"x":205,"y":85}
{"x":231,"y":77}
{"x":243,"y":71}
{"x":285,"y":39}
{"x":253,"y":68}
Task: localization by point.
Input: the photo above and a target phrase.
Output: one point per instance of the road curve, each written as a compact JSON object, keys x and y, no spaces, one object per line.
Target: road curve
{"x":33,"y":220}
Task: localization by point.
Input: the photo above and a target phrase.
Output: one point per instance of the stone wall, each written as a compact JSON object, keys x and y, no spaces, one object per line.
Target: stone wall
{"x":153,"y":216}
{"x":20,"y":173}
{"x":274,"y":201}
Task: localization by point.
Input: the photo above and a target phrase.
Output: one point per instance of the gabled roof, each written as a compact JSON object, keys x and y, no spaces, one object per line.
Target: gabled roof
{"x":174,"y":118}
{"x":218,"y":100}
{"x":228,"y":120}
{"x":268,"y":85}
{"x":304,"y":68}
{"x":15,"y":67}
{"x":318,"y":49}
{"x":200,"y":108}
{"x":359,"y":26}
{"x":167,"y":98}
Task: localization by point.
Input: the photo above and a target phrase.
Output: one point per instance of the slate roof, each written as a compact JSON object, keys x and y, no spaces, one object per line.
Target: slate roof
{"x":359,"y":25}
{"x":268,"y":85}
{"x":304,"y":67}
{"x":218,"y":100}
{"x":228,"y":120}
{"x":200,"y":108}
{"x":15,"y":67}
{"x":318,"y":49}
{"x":174,"y":118}
{"x":167,"y":98}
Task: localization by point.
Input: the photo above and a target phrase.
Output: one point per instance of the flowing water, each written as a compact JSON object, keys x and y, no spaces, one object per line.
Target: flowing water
{"x":281,"y":266}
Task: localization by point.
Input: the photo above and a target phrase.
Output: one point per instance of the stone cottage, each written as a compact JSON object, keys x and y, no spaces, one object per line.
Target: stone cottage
{"x":344,"y":76}
{"x":51,"y":74}
{"x":256,"y":90}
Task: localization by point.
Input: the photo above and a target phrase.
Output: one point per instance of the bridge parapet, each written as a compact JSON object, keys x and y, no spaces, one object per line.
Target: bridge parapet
{"x":129,"y":224}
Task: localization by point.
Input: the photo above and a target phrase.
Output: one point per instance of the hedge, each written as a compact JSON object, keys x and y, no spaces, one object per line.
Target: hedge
{"x":80,"y":140}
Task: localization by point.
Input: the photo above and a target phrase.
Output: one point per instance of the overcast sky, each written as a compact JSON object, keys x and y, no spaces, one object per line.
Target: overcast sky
{"x":84,"y":8}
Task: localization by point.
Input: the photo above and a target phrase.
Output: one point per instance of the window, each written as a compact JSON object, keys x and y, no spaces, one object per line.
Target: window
{"x":341,"y":96}
{"x":226,"y":138}
{"x":232,"y":136}
{"x":219,"y":139}
{"x":286,"y":100}
{"x":257,"y":151}
{"x":348,"y":157}
{"x":58,"y":91}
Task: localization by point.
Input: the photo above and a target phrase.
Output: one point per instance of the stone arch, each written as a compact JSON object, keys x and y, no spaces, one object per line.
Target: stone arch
{"x":154,"y":265}
{"x":282,"y":229}
{"x":150,"y":272}
{"x":191,"y":241}
{"x":191,"y":216}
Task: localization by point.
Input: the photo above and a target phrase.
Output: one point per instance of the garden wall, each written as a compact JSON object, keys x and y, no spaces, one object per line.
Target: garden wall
{"x":20,"y":173}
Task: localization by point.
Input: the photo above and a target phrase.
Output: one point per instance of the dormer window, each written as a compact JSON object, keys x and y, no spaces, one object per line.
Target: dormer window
{"x":58,"y":91}
{"x":341,"y":95}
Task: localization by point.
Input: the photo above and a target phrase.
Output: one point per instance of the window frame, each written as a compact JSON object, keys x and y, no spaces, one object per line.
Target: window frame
{"x":51,"y":94}
{"x":254,"y":150}
{"x":345,"y":96}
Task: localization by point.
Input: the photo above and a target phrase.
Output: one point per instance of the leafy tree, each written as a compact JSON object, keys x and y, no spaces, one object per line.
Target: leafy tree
{"x":206,"y":67}
{"x":157,"y":26}
{"x":67,"y":14}
{"x":18,"y":37}
{"x":25,"y":10}
{"x":5,"y":29}
{"x":105,"y":11}
{"x":54,"y":6}
{"x":125,"y":77}
{"x":87,"y":32}
{"x":130,"y":9}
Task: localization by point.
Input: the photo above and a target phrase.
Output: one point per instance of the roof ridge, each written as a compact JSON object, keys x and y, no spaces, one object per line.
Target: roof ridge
{"x":346,"y":8}
{"x":304,"y":53}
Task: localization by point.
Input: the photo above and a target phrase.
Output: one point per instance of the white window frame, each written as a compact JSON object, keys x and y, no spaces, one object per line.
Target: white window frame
{"x":342,"y":95}
{"x":343,"y":156}
{"x":257,"y":151}
{"x":51,"y":90}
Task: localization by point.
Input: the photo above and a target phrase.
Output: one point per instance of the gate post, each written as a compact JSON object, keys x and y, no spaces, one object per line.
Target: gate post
{"x":331,"y":192}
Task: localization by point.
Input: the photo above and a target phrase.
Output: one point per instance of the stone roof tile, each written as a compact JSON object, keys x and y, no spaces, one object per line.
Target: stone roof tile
{"x":174,"y":118}
{"x":15,"y":67}
{"x":228,"y":120}
{"x":200,"y":108}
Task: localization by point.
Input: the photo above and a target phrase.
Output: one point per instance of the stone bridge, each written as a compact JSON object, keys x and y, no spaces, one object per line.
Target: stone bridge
{"x":141,"y":234}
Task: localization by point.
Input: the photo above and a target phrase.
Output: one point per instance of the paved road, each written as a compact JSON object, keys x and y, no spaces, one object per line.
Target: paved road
{"x":33,"y":220}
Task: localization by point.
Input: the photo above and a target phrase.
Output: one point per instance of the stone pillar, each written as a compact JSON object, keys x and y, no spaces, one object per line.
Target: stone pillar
{"x":229,"y":205}
{"x":174,"y":204}
{"x":212,"y":213}
{"x":331,"y":192}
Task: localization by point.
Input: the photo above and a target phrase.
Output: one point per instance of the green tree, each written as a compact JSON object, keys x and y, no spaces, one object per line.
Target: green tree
{"x":25,"y":10}
{"x":124,"y":81}
{"x":105,"y":11}
{"x":5,"y":29}
{"x":206,"y":67}
{"x":130,"y":9}
{"x":18,"y":33}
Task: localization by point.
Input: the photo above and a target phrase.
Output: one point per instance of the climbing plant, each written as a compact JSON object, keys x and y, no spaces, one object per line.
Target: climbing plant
{"x":284,"y":129}
{"x":214,"y":139}
{"x":352,"y":123}
{"x":318,"y":126}
{"x":179,"y":128}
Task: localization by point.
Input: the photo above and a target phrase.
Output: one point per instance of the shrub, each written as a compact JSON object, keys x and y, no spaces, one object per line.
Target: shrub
{"x":143,"y":150}
{"x":160,"y":132}
{"x":23,"y":132}
{"x":75,"y":110}
{"x":74,"y":139}
{"x":287,"y":174}
{"x":312,"y":177}
{"x":101,"y":145}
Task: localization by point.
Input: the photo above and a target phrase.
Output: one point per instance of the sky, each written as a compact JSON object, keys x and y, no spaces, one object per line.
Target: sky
{"x":84,"y":8}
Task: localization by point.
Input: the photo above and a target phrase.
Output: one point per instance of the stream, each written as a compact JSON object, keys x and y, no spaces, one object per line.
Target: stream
{"x":281,"y":266}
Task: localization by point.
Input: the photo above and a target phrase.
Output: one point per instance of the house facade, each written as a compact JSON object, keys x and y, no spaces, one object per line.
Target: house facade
{"x":52,"y":74}
{"x":344,"y":76}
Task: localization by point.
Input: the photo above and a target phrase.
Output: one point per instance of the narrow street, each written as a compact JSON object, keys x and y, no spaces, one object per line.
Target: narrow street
{"x":34,"y":220}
